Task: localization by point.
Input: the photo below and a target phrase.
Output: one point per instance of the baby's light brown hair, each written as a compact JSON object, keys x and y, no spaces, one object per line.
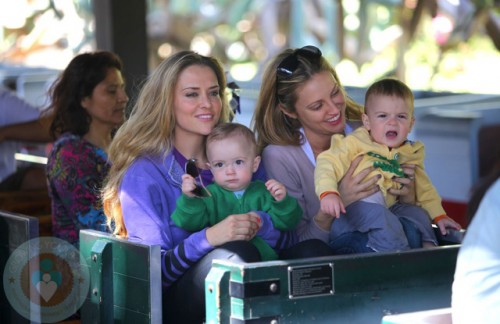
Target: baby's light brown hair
{"x":229,"y":130}
{"x":391,"y":87}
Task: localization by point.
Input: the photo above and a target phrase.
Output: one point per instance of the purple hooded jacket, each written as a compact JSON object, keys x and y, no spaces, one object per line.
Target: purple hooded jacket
{"x":148,"y":195}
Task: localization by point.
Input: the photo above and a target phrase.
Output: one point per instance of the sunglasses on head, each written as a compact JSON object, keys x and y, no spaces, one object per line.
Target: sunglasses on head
{"x":291,"y":62}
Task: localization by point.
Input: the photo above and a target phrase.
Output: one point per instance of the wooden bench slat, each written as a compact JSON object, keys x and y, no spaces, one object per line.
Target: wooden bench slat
{"x":35,"y":203}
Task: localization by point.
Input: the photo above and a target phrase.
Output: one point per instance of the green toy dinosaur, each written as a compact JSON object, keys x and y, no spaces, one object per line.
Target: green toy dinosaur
{"x":389,"y":165}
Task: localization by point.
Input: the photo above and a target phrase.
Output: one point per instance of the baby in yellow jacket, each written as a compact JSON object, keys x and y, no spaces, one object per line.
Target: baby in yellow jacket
{"x":383,"y":142}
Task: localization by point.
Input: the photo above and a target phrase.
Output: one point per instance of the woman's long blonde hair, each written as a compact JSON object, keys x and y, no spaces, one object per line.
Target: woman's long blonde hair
{"x":150,"y":128}
{"x":270,"y":124}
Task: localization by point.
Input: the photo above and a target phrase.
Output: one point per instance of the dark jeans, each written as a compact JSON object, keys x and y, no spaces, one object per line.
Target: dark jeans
{"x":355,"y":242}
{"x":184,"y":301}
{"x":412,"y":234}
{"x":306,"y":249}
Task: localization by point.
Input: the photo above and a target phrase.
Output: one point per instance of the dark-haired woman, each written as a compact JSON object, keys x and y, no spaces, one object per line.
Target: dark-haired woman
{"x":88,"y":103}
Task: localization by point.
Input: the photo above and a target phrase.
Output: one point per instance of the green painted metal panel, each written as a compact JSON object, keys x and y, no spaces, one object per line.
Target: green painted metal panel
{"x":129,"y":274}
{"x":15,"y":229}
{"x":132,"y":293}
{"x":101,"y":279}
{"x":217,"y":293}
{"x":357,"y":288}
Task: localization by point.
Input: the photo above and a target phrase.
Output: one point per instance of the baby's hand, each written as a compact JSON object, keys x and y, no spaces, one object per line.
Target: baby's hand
{"x":188,"y":185}
{"x":332,"y":204}
{"x":447,"y":222}
{"x":277,"y":189}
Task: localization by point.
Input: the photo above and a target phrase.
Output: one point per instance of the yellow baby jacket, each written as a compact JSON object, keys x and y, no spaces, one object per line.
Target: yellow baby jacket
{"x":332,"y":164}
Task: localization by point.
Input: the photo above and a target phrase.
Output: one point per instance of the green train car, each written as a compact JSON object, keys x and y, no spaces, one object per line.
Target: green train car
{"x":357,"y":288}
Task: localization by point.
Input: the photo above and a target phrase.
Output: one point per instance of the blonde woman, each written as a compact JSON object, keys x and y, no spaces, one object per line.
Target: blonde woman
{"x":301,"y":105}
{"x":177,"y":108}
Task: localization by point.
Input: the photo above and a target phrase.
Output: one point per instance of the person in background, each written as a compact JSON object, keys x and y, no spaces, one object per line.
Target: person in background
{"x":14,"y":112}
{"x":35,"y":130}
{"x":88,"y":101}
{"x":178,"y":106}
{"x":383,"y":143}
{"x":479,"y":189}
{"x":232,"y":157}
{"x":301,"y":105}
{"x":476,"y":287}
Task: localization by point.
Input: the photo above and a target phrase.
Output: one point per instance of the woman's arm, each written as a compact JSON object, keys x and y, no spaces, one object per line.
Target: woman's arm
{"x":148,"y":200}
{"x":22,"y":121}
{"x":278,"y":240}
{"x":32,"y":131}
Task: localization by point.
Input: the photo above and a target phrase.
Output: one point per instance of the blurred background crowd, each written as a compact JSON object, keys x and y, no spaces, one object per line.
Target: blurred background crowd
{"x":438,"y":45}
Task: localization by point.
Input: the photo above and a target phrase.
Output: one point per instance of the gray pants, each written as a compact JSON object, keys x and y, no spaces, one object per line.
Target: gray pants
{"x":385,"y":232}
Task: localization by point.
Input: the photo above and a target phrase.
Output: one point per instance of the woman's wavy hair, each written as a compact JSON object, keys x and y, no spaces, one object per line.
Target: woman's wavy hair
{"x":270,"y":124}
{"x":76,"y":82}
{"x":149,"y":130}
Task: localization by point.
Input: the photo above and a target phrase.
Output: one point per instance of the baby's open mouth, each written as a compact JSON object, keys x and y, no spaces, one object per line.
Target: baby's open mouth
{"x":391,"y":134}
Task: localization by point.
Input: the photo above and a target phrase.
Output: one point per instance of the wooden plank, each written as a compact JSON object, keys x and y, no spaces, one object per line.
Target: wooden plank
{"x":35,"y":203}
{"x":28,"y":202}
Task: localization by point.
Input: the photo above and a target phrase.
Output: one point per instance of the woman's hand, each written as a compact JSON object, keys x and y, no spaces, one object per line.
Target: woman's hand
{"x":446,"y":222}
{"x":353,"y":188}
{"x":406,"y":192}
{"x":234,"y":228}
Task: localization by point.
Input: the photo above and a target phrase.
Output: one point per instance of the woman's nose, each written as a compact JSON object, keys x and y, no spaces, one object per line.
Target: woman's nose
{"x":123,"y":96}
{"x":334,"y":106}
{"x":205,"y":101}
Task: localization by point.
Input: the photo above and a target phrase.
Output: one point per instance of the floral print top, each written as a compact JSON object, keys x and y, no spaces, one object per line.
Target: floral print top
{"x":76,"y":170}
